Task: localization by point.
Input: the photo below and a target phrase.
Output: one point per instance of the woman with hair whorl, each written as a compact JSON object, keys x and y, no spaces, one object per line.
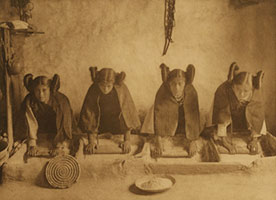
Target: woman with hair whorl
{"x":238,"y":107}
{"x":176,"y":109}
{"x":108,"y":108}
{"x":45,"y":112}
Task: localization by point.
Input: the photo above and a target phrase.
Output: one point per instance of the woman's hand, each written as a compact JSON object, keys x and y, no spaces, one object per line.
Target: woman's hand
{"x":192,"y":148}
{"x":90,"y":148}
{"x":253,"y":146}
{"x":126,"y":146}
{"x":32,"y":151}
{"x":92,"y":144}
{"x":62,"y":148}
{"x":57,"y":152}
{"x":230,"y":147}
{"x":157,"y":152}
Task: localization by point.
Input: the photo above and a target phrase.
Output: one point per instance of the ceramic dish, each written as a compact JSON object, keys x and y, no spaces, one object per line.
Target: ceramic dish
{"x":155,"y":183}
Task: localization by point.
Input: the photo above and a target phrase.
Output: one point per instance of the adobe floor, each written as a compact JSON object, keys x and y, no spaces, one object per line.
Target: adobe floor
{"x":244,"y":186}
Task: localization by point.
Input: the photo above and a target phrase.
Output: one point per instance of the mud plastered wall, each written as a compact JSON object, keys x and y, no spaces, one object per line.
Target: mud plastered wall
{"x":128,"y":35}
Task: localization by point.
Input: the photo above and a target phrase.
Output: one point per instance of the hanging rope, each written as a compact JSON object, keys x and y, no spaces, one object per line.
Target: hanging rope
{"x":169,"y":23}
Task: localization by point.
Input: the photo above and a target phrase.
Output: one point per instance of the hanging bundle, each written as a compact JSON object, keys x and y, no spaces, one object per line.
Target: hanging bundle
{"x":24,"y":8}
{"x":169,"y":23}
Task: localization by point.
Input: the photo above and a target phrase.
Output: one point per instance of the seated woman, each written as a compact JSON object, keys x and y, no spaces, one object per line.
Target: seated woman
{"x":238,"y":107}
{"x":45,"y":113}
{"x":108,"y":108}
{"x":176,"y":109}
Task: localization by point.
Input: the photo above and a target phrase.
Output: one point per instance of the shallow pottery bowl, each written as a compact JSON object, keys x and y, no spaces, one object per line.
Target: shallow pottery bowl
{"x":155,"y":183}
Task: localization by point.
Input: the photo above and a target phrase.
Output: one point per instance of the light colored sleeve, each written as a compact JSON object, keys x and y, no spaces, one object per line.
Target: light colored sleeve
{"x":264,"y":129}
{"x":262,"y":132}
{"x":222,"y":130}
{"x":148,"y":125}
{"x":32,"y":126}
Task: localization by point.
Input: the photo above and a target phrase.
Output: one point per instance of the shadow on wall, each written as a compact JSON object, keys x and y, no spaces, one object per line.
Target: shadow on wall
{"x":237,"y":4}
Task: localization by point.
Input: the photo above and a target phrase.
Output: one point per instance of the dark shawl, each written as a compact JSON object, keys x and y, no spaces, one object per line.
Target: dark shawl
{"x":166,"y":112}
{"x":225,"y":103}
{"x":64,"y":116}
{"x":90,"y":115}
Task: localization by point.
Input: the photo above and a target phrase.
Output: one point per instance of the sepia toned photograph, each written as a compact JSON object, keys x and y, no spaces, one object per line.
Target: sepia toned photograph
{"x":137,"y":99}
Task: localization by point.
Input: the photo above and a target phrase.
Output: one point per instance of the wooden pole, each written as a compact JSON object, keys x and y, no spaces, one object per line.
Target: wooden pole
{"x":9,"y":111}
{"x":7,"y":46}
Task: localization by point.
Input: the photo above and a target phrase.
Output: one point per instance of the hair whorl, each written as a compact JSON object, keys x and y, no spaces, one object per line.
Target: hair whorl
{"x":55,"y":83}
{"x":28,"y":79}
{"x":93,"y":72}
{"x":233,"y":69}
{"x":190,"y":74}
{"x":165,"y":70}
